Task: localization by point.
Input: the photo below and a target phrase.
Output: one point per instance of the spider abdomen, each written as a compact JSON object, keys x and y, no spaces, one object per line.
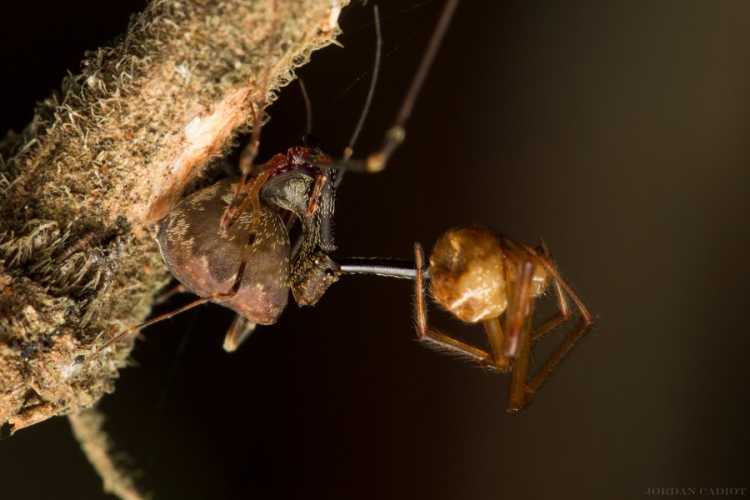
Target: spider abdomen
{"x":207,"y":259}
{"x":467,"y":274}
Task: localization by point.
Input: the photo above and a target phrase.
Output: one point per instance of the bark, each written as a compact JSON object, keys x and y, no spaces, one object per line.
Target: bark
{"x":104,"y":159}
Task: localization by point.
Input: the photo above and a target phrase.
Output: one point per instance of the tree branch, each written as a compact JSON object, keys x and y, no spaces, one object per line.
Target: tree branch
{"x":88,"y":429}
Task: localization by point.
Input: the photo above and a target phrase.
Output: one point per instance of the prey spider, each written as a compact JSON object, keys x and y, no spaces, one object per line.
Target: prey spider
{"x":478,"y":278}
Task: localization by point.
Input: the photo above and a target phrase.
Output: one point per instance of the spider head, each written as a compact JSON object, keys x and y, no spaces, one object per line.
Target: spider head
{"x":308,"y":158}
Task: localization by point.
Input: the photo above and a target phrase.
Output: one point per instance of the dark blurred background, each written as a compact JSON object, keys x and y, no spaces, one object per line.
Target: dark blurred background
{"x":617,"y":131}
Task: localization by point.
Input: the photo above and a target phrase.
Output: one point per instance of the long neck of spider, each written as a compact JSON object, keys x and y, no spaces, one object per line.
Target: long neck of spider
{"x":382,"y":267}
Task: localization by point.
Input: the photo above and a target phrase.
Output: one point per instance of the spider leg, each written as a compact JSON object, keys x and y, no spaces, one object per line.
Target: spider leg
{"x":250,"y":151}
{"x":549,"y":266}
{"x":519,"y":320}
{"x":158,"y":319}
{"x":557,"y":319}
{"x":583,"y":326}
{"x":394,"y":136}
{"x":251,"y":197}
{"x":433,"y":337}
{"x":238,"y":332}
{"x":170,"y":292}
{"x":495,"y":336}
{"x":519,"y":309}
{"x":563,"y":313}
{"x":554,"y":360}
{"x":200,"y":301}
{"x":246,"y":164}
{"x":523,"y":390}
{"x":314,"y":202}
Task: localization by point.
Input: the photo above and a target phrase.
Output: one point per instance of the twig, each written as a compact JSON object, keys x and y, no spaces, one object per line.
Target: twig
{"x":88,"y":429}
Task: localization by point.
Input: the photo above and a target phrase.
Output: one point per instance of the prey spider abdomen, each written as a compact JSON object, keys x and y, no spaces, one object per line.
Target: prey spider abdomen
{"x":471,"y":270}
{"x":467,"y":275}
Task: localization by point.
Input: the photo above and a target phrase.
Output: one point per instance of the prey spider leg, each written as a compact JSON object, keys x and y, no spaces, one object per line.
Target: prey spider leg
{"x":518,"y":308}
{"x":495,"y":337}
{"x":552,"y":270}
{"x":519,"y":320}
{"x":424,"y":332}
{"x":563,"y":309}
{"x":582,"y":327}
{"x":556,"y":357}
